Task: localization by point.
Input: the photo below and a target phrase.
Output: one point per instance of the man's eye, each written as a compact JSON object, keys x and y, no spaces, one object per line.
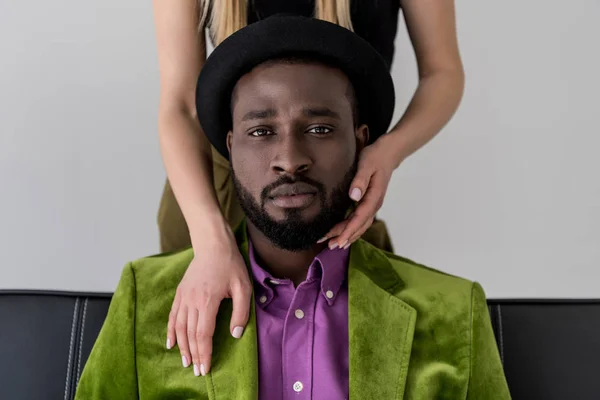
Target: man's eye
{"x":320,"y":130}
{"x":260,"y":132}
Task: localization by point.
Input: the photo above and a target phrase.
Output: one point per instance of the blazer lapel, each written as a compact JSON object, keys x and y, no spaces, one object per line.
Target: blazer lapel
{"x":381,"y":329}
{"x":234,"y":371}
{"x":381,"y":326}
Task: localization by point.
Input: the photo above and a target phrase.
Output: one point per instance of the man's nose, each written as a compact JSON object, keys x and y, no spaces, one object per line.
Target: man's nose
{"x":291,"y":157}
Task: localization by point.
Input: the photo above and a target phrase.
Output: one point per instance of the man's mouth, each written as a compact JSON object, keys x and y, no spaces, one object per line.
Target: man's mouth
{"x":295,"y":195}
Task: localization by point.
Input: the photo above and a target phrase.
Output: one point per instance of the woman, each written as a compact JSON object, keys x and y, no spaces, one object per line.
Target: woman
{"x":199,"y":177}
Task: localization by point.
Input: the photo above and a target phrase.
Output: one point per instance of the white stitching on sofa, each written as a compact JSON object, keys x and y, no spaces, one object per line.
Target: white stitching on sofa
{"x":501,"y":336}
{"x":81,"y":341}
{"x":71,"y":348}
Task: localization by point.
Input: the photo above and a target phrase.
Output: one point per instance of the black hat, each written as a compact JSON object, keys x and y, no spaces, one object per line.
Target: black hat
{"x":286,"y":35}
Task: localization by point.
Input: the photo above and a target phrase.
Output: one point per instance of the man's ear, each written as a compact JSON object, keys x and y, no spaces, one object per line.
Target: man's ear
{"x":362,"y":137}
{"x":229,"y":136}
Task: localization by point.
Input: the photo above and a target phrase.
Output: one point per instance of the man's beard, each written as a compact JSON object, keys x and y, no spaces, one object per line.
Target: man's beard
{"x":293,"y":233}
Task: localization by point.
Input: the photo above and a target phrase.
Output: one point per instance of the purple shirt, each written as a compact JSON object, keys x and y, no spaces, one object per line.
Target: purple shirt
{"x":303,"y":331}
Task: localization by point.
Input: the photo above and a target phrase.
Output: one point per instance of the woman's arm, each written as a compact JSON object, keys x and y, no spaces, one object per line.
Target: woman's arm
{"x":218,"y":270}
{"x":185,"y":149}
{"x":432,"y":30}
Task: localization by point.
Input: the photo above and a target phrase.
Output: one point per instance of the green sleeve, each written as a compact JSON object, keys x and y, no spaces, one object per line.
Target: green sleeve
{"x":487,"y":380}
{"x":110,"y":371}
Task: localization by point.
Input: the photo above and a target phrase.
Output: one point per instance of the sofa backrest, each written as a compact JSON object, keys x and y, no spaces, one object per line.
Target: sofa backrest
{"x":550,"y":348}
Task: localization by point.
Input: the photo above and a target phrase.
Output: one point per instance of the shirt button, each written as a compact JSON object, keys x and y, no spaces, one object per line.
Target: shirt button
{"x":299,"y":314}
{"x":263,"y":299}
{"x":329,"y":294}
{"x":298,"y":386}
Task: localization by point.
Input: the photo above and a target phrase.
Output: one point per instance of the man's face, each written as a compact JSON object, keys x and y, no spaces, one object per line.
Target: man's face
{"x":293,"y":150}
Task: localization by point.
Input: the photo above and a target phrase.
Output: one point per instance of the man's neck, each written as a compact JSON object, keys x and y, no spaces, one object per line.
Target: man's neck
{"x":282,"y":264}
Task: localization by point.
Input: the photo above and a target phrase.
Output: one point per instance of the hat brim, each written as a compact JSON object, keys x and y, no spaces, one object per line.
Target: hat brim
{"x":279,"y":36}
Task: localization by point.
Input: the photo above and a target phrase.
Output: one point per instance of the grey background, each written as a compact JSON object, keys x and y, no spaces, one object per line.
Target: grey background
{"x":508,"y":194}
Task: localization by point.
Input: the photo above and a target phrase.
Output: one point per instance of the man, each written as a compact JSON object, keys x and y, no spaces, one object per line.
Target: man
{"x":294,"y":95}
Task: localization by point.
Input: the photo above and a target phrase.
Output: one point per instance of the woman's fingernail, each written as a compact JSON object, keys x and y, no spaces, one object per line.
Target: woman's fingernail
{"x":333,"y":246}
{"x":169,"y":344}
{"x":202,"y":370}
{"x":343,"y":244}
{"x":237,"y":332}
{"x":185,"y":362}
{"x":196,"y":370}
{"x":324,"y":238}
{"x":355,"y":194}
{"x":346,"y":246}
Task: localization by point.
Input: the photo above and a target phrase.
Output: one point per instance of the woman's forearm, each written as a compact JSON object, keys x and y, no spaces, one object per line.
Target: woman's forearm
{"x":435,"y":101}
{"x":187,"y":158}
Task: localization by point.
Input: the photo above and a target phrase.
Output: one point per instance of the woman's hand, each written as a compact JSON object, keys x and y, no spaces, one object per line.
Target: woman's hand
{"x":217,"y":272}
{"x":375,"y":166}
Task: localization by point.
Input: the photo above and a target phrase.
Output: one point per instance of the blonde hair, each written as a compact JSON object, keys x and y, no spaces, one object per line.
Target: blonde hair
{"x":224,"y":17}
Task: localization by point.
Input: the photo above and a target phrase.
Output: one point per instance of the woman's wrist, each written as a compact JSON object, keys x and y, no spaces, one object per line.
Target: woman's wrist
{"x":211,"y":229}
{"x":393,"y":148}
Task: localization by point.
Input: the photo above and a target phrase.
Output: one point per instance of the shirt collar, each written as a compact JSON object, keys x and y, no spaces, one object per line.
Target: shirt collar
{"x":329,"y":266}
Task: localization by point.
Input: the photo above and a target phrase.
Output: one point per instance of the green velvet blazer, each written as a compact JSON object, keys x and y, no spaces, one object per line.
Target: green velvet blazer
{"x":414,"y":333}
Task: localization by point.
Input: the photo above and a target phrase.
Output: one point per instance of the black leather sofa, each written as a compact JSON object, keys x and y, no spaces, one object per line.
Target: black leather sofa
{"x":550,"y":348}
